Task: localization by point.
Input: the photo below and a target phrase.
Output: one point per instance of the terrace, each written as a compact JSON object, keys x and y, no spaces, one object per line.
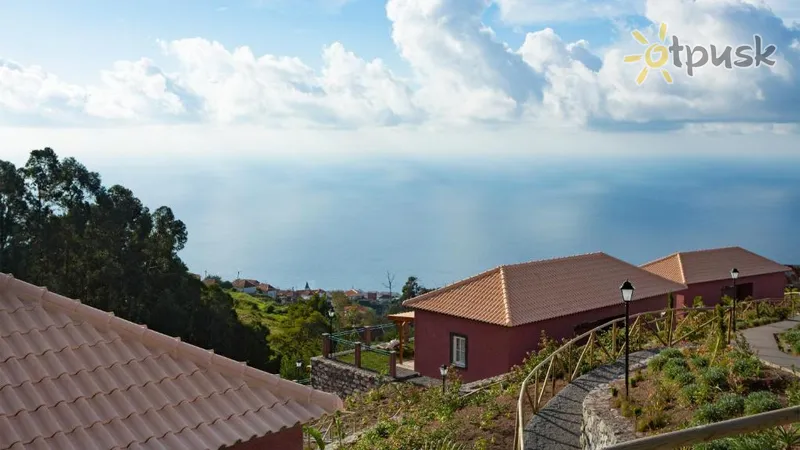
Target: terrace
{"x":386,"y":349}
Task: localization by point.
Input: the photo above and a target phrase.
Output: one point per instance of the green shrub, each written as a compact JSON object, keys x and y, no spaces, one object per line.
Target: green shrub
{"x":685,"y":378}
{"x":747,"y":368}
{"x":656,"y":363}
{"x":688,"y":393}
{"x":716,"y":377}
{"x":761,"y":401}
{"x":793,"y":392}
{"x":726,"y":407}
{"x":699,"y":362}
{"x":674,"y":368}
{"x":670,"y":353}
{"x":652,"y":420}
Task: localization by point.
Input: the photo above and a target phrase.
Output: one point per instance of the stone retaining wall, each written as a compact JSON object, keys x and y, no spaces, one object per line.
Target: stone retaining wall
{"x":603,"y":426}
{"x":341,"y":379}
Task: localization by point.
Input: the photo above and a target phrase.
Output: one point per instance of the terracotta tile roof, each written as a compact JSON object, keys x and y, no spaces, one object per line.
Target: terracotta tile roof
{"x":700,"y":266}
{"x":75,"y":377}
{"x":240,"y":283}
{"x":517,"y":294}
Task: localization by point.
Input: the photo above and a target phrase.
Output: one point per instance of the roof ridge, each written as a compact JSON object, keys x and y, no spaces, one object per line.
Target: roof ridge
{"x":645,"y":272}
{"x":557,"y":258}
{"x":451,"y":286}
{"x":504,"y":287}
{"x":663,"y":258}
{"x":680,"y":268}
{"x":144,"y":335}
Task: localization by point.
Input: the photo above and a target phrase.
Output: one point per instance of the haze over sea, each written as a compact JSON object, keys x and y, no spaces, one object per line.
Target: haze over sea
{"x":338,"y":223}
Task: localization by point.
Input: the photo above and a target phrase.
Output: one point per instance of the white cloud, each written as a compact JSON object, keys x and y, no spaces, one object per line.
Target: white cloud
{"x":462,"y":73}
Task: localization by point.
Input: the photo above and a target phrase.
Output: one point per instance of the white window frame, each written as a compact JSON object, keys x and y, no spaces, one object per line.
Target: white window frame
{"x":458,"y":350}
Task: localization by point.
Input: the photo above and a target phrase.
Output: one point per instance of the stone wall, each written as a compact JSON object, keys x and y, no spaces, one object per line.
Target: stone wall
{"x":341,"y":379}
{"x":602,"y":425}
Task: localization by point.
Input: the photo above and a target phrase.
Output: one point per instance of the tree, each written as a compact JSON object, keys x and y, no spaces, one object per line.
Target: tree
{"x":299,"y":332}
{"x":411,"y":289}
{"x":60,"y":227}
{"x":389,"y":282}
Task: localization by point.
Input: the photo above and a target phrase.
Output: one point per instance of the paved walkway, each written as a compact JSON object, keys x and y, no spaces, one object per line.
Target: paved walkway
{"x":558,"y":424}
{"x":762,"y":342}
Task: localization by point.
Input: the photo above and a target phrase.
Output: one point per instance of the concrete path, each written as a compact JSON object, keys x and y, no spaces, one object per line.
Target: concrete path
{"x":762,"y":342}
{"x":558,"y":424}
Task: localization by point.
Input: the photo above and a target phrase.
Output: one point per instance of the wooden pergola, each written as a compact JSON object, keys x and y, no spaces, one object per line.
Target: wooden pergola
{"x":400,"y":320}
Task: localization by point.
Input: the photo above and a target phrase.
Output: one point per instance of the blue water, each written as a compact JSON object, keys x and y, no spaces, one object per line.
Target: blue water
{"x":343,"y":225}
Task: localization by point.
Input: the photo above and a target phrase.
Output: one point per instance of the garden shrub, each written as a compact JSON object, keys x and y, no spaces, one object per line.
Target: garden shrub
{"x":716,"y":377}
{"x":656,"y":363}
{"x":726,"y":407}
{"x":670,"y":353}
{"x":688,"y":393}
{"x":652,"y":420}
{"x":685,"y":378}
{"x":793,"y":392}
{"x":761,"y":401}
{"x":699,"y":362}
{"x":747,"y":368}
{"x":674,"y":368}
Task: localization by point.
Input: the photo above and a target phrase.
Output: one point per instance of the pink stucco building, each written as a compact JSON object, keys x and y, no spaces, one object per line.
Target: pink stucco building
{"x":486,"y":324}
{"x":707,"y":274}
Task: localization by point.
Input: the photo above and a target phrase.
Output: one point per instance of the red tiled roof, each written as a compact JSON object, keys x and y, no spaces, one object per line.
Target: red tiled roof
{"x":700,"y":266}
{"x":75,"y":377}
{"x":240,"y":284}
{"x":529,"y":292}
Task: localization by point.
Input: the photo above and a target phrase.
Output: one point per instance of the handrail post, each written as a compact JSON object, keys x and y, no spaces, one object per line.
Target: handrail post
{"x":326,"y":345}
{"x":393,"y":364}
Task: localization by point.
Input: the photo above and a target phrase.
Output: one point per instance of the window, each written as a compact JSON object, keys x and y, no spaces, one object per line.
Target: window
{"x":458,"y":350}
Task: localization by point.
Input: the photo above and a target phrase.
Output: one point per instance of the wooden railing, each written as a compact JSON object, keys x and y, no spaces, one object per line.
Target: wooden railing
{"x":714,"y":431}
{"x":605,"y":343}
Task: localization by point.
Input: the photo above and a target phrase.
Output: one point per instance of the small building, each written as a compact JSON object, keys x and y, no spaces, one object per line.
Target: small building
{"x":707,"y":274}
{"x":354,"y":294}
{"x":267,"y":289}
{"x":76,"y":377}
{"x":486,"y":324}
{"x":246,"y":286}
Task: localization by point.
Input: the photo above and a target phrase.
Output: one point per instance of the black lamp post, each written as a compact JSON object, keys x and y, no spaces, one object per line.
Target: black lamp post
{"x":299,"y":365}
{"x":627,"y":295}
{"x":443,"y":372}
{"x":734,"y":276}
{"x":331,"y":313}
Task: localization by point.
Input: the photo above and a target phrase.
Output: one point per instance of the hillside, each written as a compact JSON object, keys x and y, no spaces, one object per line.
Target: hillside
{"x":252,"y":310}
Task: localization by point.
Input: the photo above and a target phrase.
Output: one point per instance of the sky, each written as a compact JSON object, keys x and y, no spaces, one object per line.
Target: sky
{"x":332,"y":140}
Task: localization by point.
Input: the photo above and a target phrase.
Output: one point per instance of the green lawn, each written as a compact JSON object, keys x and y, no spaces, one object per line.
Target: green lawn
{"x":376,"y":362}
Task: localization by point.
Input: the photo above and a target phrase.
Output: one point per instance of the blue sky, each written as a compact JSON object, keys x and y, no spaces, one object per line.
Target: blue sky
{"x":427,"y":137}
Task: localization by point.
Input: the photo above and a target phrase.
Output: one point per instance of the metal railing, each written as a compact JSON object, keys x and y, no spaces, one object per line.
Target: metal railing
{"x":601,"y":345}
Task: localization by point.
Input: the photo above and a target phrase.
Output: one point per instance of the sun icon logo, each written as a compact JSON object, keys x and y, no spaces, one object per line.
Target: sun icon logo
{"x":649,"y":62}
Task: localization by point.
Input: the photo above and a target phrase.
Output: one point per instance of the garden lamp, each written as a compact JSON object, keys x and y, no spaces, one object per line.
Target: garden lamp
{"x":299,"y":365}
{"x":734,"y":276}
{"x":627,"y":295}
{"x":443,"y":372}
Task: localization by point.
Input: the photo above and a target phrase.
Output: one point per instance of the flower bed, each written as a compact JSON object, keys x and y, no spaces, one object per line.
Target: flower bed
{"x":692,"y":386}
{"x":789,"y":341}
